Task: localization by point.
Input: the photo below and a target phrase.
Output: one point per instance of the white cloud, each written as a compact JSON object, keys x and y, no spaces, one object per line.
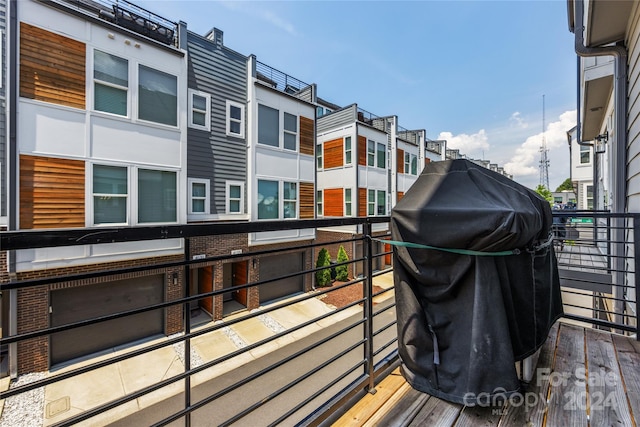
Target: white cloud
{"x":278,"y":22}
{"x":517,"y":119}
{"x":471,"y":145}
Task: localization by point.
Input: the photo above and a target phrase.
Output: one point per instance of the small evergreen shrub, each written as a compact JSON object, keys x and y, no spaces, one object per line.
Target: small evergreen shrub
{"x":342,"y":271}
{"x":323,"y":277}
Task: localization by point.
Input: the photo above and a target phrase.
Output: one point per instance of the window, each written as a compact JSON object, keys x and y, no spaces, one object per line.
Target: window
{"x":235,"y":197}
{"x":347,"y":202}
{"x":585,"y":154}
{"x":157,"y":96}
{"x":589,"y":192}
{"x":319,"y":111}
{"x":235,"y":119}
{"x":290,"y":131}
{"x":199,"y":110}
{"x":382,"y":156}
{"x":371,"y":153}
{"x":347,"y":150}
{"x":414,"y":164}
{"x":382,"y":202}
{"x":199,"y":196}
{"x":407,"y":162}
{"x":110,"y":195}
{"x":157,"y":201}
{"x":319,"y":211}
{"x":319,"y":156}
{"x":268,"y":199}
{"x":371,"y":203}
{"x":268,"y":122}
{"x":290,"y":200}
{"x":557,"y":199}
{"x":111,"y":83}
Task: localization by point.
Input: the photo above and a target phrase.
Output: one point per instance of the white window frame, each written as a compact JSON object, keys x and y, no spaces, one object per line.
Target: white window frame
{"x":348,"y":203}
{"x":207,"y":111}
{"x":319,"y":203}
{"x":128,"y":196}
{"x":407,"y":163}
{"x":138,"y":67}
{"x":371,"y":202}
{"x":349,"y":151}
{"x":414,"y":160}
{"x":207,"y":203}
{"x":371,"y":155}
{"x":289,"y":132}
{"x":127,"y":89}
{"x":228,"y":185}
{"x":229,"y":119}
{"x":296,"y":200}
{"x":319,"y":156}
{"x":585,"y":149}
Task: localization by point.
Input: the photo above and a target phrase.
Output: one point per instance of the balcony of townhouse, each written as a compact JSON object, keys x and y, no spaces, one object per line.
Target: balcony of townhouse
{"x":283,"y":82}
{"x":126,"y":15}
{"x":597,"y":90}
{"x":328,"y":356}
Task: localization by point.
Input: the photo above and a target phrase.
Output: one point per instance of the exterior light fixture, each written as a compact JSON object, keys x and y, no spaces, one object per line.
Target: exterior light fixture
{"x":601,"y":141}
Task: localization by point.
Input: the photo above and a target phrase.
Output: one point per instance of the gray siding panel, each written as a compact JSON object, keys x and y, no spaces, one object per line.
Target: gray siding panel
{"x":222,"y":73}
{"x":337,"y":118}
{"x":3,"y":120}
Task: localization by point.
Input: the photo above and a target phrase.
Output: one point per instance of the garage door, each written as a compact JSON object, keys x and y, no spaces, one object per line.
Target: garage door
{"x":279,"y":265}
{"x":91,"y":301}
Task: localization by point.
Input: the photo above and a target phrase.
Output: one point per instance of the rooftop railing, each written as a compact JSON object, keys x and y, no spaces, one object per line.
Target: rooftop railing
{"x":300,"y":360}
{"x":278,"y":79}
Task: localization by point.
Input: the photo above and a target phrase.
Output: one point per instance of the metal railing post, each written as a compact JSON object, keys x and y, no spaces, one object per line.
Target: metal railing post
{"x":636,"y":269}
{"x":368,"y":304}
{"x":187,"y":331}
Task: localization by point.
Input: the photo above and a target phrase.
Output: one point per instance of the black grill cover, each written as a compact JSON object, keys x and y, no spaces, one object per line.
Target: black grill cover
{"x":464,"y":320}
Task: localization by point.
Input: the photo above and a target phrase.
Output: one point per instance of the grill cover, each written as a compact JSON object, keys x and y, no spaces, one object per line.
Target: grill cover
{"x":464,"y":320}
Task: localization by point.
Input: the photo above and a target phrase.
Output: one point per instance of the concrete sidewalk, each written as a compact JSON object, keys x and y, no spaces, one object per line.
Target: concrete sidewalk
{"x":73,"y":396}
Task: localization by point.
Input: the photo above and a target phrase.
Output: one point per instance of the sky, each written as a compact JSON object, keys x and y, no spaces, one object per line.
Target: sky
{"x":487,"y":76}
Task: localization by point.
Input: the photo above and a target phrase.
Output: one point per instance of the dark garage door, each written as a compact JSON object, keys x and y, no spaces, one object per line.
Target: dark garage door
{"x":279,"y":265}
{"x":91,"y":301}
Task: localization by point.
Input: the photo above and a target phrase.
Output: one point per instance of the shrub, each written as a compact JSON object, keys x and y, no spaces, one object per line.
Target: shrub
{"x":342,"y":271}
{"x":323,"y":277}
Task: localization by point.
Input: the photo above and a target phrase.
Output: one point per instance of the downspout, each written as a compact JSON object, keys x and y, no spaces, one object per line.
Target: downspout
{"x":619,"y":148}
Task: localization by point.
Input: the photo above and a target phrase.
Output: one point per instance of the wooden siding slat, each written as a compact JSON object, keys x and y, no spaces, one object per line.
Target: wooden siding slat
{"x":307,"y":134}
{"x":332,"y":156}
{"x":51,"y":192}
{"x":362,"y":150}
{"x":400,"y":161}
{"x":362,"y":202}
{"x":52,"y":67}
{"x":307,"y":204}
{"x":333,"y":202}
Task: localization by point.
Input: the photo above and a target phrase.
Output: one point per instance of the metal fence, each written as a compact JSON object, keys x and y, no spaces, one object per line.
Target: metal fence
{"x":300,"y":360}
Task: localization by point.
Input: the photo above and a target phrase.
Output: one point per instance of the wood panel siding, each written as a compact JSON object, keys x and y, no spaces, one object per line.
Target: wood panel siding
{"x":307,"y":204}
{"x":52,"y":67}
{"x":362,"y":150}
{"x":307,"y":133}
{"x":427,"y":160}
{"x":333,"y":156}
{"x":51,"y":193}
{"x":334,"y":202}
{"x":362,"y":202}
{"x":400,"y":196}
{"x":400,"y":161}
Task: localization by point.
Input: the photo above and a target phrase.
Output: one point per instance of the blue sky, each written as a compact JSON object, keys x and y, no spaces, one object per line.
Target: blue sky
{"x":471,"y":72}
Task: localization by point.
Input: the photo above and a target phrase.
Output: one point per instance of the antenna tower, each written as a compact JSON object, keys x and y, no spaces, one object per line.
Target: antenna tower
{"x":544,"y":159}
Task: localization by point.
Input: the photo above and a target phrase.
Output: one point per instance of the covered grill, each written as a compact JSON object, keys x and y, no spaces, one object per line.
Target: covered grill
{"x":476,"y":280}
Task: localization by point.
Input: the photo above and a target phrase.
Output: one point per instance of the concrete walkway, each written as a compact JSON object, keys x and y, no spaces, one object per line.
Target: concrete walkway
{"x":83,"y":392}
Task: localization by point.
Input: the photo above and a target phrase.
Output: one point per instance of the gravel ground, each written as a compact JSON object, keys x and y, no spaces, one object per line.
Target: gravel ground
{"x":25,"y":409}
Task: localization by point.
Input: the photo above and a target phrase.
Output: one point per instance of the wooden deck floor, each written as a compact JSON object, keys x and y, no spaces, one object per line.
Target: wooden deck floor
{"x":584,"y":377}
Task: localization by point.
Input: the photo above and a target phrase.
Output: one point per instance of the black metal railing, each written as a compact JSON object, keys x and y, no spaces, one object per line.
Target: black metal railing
{"x":278,"y":79}
{"x":297,"y":360}
{"x":303,"y":369}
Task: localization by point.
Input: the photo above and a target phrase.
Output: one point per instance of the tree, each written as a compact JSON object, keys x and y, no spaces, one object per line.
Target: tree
{"x":323,"y":277}
{"x":545,"y":193}
{"x":342,"y":271}
{"x":566,"y":185}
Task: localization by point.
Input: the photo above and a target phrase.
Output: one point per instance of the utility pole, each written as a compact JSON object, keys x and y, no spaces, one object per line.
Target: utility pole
{"x":544,"y":159}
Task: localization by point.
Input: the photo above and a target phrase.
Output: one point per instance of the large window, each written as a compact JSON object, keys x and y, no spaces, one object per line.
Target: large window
{"x":371,"y":153}
{"x":110,"y":195}
{"x":407,"y":162}
{"x":111,"y":83}
{"x":199,"y":110}
{"x":376,"y":202}
{"x":290,"y":199}
{"x":347,"y":202}
{"x":268,"y":199}
{"x":157,"y":96}
{"x":157,"y":200}
{"x":268,"y":123}
{"x":154,"y":192}
{"x":414,"y":164}
{"x":585,"y":154}
{"x":382,"y":202}
{"x":371,"y":203}
{"x":319,"y":211}
{"x":382,"y":156}
{"x":199,"y":196}
{"x":235,"y":197}
{"x":235,"y":119}
{"x":290,"y":131}
{"x":319,"y":164}
{"x":347,"y":150}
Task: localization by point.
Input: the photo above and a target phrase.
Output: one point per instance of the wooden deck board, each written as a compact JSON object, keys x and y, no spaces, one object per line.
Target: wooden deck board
{"x":570,"y":356}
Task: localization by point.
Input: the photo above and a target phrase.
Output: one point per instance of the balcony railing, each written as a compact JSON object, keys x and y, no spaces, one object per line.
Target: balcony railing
{"x":301,"y":360}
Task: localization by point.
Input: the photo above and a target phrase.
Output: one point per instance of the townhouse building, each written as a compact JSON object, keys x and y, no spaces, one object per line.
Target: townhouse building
{"x":97,"y":118}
